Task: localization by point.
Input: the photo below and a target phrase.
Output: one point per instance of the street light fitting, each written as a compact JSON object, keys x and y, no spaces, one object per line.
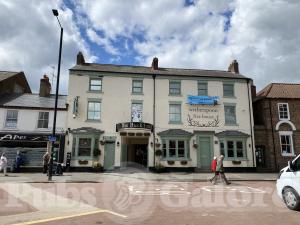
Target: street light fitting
{"x":55,"y":12}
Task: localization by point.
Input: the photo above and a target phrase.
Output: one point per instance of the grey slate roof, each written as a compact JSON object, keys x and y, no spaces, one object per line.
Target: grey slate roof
{"x":33,"y":101}
{"x":6,"y":74}
{"x":161,"y":71}
{"x":84,"y":130}
{"x":231,"y":133}
{"x":175,"y":132}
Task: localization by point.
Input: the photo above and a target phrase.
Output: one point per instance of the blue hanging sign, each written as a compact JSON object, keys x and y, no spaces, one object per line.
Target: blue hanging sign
{"x":202,"y":100}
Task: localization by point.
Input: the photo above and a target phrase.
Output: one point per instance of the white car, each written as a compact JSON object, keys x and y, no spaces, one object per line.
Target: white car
{"x":288,"y":184}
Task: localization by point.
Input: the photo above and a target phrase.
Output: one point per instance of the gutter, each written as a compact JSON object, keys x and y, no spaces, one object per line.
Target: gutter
{"x":273,"y":138}
{"x":251,"y":124}
{"x":154,"y":110}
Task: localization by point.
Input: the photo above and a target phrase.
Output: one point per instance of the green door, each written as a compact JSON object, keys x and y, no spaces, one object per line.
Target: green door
{"x":109,"y":155}
{"x":204,"y":152}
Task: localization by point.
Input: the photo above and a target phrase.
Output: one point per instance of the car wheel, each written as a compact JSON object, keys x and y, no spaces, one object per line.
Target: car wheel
{"x":291,"y":199}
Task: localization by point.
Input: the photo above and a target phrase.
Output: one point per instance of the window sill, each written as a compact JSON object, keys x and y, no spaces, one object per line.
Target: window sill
{"x":288,"y":155}
{"x":175,"y":95}
{"x":96,"y":92}
{"x":10,"y":128}
{"x":236,"y":159}
{"x":93,"y":121}
{"x":175,"y":122}
{"x":231,"y":124}
{"x":137,"y":93}
{"x":176,"y":159}
{"x":233,"y":97}
{"x":284,"y":119}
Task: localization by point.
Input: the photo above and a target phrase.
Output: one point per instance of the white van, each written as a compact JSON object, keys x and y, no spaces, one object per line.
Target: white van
{"x":288,"y":184}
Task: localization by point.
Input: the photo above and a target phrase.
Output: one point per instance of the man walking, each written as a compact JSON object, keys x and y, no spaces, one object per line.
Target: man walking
{"x":46,"y":160}
{"x":220,"y":169}
{"x":213,"y":169}
{"x":3,"y":164}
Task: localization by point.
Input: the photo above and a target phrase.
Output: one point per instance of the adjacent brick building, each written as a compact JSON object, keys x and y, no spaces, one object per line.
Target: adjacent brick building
{"x":276,"y":111}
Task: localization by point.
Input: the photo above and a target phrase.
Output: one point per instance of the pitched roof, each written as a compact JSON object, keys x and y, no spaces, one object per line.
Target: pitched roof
{"x":111,"y":68}
{"x":33,"y":101}
{"x":231,"y":133}
{"x":7,"y":74}
{"x":280,"y":90}
{"x":175,"y":132}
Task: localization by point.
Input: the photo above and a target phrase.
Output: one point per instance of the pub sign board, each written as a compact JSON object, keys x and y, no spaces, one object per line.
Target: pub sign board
{"x":146,"y":126}
{"x":23,"y":137}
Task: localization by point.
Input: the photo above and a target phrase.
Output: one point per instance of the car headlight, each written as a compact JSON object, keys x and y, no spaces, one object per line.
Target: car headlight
{"x":281,"y":172}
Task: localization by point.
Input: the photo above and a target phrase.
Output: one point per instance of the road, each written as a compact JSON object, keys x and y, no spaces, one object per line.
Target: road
{"x":127,"y":201}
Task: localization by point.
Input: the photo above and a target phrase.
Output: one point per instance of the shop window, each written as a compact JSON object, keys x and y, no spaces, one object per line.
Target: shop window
{"x":230,"y":115}
{"x":137,"y":86}
{"x":175,"y":113}
{"x":43,"y":120}
{"x":228,"y":90}
{"x":283,"y":111}
{"x":94,"y":110}
{"x":11,"y":119}
{"x":233,"y":149}
{"x":175,"y":149}
{"x":95,"y":84}
{"x":202,"y":89}
{"x":84,"y":147}
{"x":286,"y":143}
{"x":174,"y":87}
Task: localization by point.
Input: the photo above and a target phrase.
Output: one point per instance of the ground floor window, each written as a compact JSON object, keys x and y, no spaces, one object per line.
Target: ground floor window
{"x":286,"y":143}
{"x":233,"y":148}
{"x":85,"y":146}
{"x":175,"y":148}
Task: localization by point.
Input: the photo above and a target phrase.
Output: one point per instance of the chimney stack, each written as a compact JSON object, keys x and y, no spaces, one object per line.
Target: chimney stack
{"x":234,"y":67}
{"x":45,"y":87}
{"x":154,"y":65}
{"x":80,"y":59}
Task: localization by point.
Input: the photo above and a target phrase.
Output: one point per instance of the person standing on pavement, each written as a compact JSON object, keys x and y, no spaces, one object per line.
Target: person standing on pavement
{"x":46,"y":160}
{"x":220,"y":169}
{"x":19,"y":162}
{"x":3,"y":164}
{"x":213,"y":169}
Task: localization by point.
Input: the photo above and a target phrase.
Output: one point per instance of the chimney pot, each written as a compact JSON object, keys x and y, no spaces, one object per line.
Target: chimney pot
{"x":80,"y":59}
{"x":154,"y":65}
{"x":234,"y":67}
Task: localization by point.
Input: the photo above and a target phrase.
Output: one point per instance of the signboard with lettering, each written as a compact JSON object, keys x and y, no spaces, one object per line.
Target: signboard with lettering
{"x":203,"y":116}
{"x":146,"y":126}
{"x":23,"y":137}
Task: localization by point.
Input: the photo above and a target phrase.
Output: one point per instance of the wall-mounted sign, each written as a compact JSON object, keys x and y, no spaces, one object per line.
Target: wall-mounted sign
{"x":201,"y":116}
{"x":202,"y":100}
{"x":146,"y":126}
{"x":136,"y":112}
{"x":23,"y":137}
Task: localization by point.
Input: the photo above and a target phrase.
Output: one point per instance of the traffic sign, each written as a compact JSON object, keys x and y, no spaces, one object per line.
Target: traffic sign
{"x":52,"y":138}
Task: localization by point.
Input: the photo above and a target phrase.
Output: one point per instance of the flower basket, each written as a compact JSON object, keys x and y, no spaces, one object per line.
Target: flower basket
{"x":83,"y":162}
{"x":171,"y":162}
{"x":158,"y":152}
{"x":102,"y":142}
{"x":236,"y":162}
{"x":157,"y":145}
{"x":195,"y":145}
{"x":183,"y":162}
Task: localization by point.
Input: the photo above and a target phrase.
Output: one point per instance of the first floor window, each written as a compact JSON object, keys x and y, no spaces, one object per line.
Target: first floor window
{"x":94,"y":110}
{"x":11,"y":119}
{"x":43,"y":120}
{"x":283,"y":110}
{"x":202,"y":89}
{"x":228,"y":90}
{"x":175,"y":113}
{"x":230,"y":116}
{"x":137,"y":86}
{"x":96,"y":84}
{"x":175,"y":148}
{"x":174,"y":87}
{"x":286,"y":143}
{"x":233,"y":148}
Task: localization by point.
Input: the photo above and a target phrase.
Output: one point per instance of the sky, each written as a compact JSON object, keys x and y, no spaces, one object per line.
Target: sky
{"x":263,"y":36}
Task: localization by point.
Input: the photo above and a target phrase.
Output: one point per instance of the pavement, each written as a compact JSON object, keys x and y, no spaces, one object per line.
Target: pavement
{"x":131,"y":174}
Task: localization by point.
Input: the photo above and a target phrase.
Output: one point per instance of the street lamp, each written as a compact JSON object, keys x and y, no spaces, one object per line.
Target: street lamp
{"x":55,"y":13}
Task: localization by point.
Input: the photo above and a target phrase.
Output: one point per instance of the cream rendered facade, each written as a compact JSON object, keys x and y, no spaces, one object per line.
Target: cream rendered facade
{"x":116,"y":99}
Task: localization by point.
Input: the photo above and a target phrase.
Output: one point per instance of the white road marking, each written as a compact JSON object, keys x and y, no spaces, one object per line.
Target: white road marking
{"x":241,"y":189}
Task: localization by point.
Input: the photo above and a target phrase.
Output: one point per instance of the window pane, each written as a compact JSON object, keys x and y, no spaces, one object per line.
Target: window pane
{"x":11,"y":119}
{"x":96,"y":85}
{"x":230,"y":117}
{"x":172,"y":152}
{"x":222,"y":148}
{"x":202,"y":89}
{"x":230,"y":149}
{"x":164,"y":148}
{"x":180,"y":144}
{"x":239,"y":149}
{"x":228,"y":90}
{"x":172,"y":144}
{"x":175,"y":113}
{"x":137,"y":86}
{"x":181,"y":152}
{"x":283,"y":111}
{"x":84,"y":148}
{"x":174,"y":87}
{"x":94,"y":110}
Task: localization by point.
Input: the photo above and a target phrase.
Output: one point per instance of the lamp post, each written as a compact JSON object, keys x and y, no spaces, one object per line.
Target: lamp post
{"x":55,"y":13}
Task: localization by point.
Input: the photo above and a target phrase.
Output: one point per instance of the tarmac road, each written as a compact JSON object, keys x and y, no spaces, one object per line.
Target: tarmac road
{"x":128,"y":201}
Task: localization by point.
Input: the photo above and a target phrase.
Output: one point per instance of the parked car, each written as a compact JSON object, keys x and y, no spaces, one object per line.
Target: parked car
{"x":288,"y":184}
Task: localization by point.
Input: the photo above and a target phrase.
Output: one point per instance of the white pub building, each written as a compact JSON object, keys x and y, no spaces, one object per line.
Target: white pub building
{"x":159,"y":117}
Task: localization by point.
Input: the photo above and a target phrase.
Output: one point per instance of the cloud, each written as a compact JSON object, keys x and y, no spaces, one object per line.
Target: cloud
{"x":30,"y":40}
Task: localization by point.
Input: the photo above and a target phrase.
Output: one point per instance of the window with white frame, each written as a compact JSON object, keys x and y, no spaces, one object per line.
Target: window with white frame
{"x":175,"y":113}
{"x":137,"y":86}
{"x":94,"y":110}
{"x":283,"y":111}
{"x":43,"y":120}
{"x":11,"y":119}
{"x":175,"y":148}
{"x":228,"y":90}
{"x":233,"y":148}
{"x":286,"y":143}
{"x":202,"y":88}
{"x":230,"y":114}
{"x":174,"y":87}
{"x":96,"y":84}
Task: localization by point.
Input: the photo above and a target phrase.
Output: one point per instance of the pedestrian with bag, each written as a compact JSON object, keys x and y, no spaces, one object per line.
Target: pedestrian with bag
{"x":19,"y":162}
{"x":3,"y":164}
{"x":46,"y":160}
{"x":220,"y":169}
{"x":213,"y":169}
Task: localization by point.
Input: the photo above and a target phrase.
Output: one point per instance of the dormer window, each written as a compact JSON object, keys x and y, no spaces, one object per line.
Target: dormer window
{"x":283,"y":111}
